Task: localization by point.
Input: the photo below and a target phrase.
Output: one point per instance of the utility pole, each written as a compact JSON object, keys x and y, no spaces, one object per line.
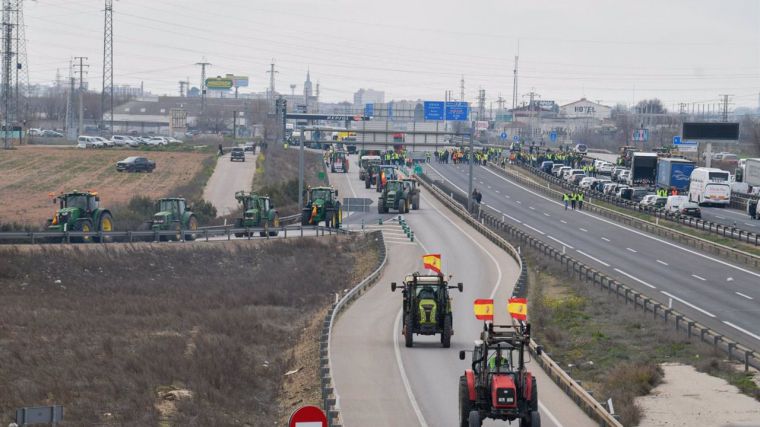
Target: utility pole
{"x":70,"y":104}
{"x":203,"y":64}
{"x":107,"y":65}
{"x":22,"y":69}
{"x":8,"y":113}
{"x":82,"y":72}
{"x":461,"y":89}
{"x":725,"y":107}
{"x":182,"y":84}
{"x":514,"y":84}
{"x":531,"y":107}
{"x":481,"y":103}
{"x":271,"y":73}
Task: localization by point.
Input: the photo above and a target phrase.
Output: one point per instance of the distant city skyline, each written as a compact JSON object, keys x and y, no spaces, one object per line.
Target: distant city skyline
{"x":678,"y":51}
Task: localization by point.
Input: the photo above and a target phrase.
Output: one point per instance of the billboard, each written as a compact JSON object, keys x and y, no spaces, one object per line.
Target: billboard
{"x":219,"y":83}
{"x":711,"y":131}
{"x":640,"y":135}
{"x":238,"y":81}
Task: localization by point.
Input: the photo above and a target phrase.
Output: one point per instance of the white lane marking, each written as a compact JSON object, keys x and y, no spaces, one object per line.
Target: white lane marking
{"x":744,"y":296}
{"x":507,"y":197}
{"x":729,"y":279}
{"x":531,"y":208}
{"x":519,"y":202}
{"x":635,"y":278}
{"x":751,"y":225}
{"x":489,"y":187}
{"x":497,"y":191}
{"x":632,"y":250}
{"x":662,"y":262}
{"x":594,"y":258}
{"x":561,"y":242}
{"x":563,"y":221}
{"x":402,"y":371}
{"x":546,"y":214}
{"x":720,"y":217}
{"x":495,"y":289}
{"x":513,"y":218}
{"x":605,"y":239}
{"x":583,"y":230}
{"x":698,"y":277}
{"x":494,"y":208}
{"x":535,"y":229}
{"x":689,"y":304}
{"x":642,"y":234}
{"x":396,"y":243}
{"x":738,"y":328}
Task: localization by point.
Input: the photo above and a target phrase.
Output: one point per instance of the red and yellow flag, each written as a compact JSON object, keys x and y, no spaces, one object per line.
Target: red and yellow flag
{"x":518,"y":308}
{"x":432,"y":262}
{"x":483,"y":309}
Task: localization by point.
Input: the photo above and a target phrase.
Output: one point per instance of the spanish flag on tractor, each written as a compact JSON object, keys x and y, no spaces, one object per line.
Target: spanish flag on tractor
{"x":432,"y":262}
{"x":518,"y":308}
{"x":483,"y":309}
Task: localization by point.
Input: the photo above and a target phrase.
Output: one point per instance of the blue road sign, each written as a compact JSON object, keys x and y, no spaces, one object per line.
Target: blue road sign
{"x":434,"y":110}
{"x":516,"y":138}
{"x":390,"y":110}
{"x":553,"y":136}
{"x":676,"y":140}
{"x":457,"y":111}
{"x":369,"y":110}
{"x":503,"y":136}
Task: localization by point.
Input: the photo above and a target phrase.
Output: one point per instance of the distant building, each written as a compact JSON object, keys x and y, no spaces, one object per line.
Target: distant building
{"x":585,"y":109}
{"x":368,"y":96}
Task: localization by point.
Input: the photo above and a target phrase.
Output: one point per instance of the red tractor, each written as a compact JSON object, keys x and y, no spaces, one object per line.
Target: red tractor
{"x":498,"y":386}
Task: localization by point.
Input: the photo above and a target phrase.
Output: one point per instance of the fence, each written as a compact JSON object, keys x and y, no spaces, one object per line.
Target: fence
{"x":455,"y":201}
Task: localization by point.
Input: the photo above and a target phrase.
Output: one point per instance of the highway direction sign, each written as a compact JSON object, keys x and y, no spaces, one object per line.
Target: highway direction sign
{"x":553,"y":136}
{"x":457,"y":111}
{"x":434,"y":110}
{"x":503,"y":136}
{"x":308,"y":416}
{"x":369,"y":110}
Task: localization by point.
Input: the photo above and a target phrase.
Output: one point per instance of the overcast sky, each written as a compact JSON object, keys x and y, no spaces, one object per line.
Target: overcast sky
{"x":613,"y":51}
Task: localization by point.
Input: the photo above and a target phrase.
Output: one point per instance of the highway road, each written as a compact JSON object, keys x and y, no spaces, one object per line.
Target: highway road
{"x":229,"y":177}
{"x":381,"y":382}
{"x":722,"y":295}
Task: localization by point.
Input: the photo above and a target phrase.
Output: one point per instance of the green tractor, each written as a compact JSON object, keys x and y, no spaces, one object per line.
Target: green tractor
{"x":322,"y":205}
{"x":174,"y":214}
{"x":395,"y":195}
{"x":258,"y":211}
{"x":81,"y":211}
{"x":427,"y":307}
{"x":414,"y":192}
{"x":338,"y":162}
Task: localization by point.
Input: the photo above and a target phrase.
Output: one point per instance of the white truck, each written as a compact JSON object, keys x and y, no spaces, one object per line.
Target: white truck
{"x":751,"y":177}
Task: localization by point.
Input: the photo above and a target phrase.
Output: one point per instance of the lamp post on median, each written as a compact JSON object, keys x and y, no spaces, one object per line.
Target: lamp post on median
{"x":470,"y":158}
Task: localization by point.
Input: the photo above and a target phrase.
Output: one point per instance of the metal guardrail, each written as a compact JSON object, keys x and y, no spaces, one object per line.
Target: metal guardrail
{"x":132,"y":236}
{"x":660,"y":230}
{"x":330,"y":396}
{"x":722,"y":230}
{"x":453,"y":200}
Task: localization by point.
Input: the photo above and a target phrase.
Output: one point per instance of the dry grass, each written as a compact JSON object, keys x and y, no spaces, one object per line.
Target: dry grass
{"x":277,"y":175}
{"x":30,"y":173}
{"x":107,"y":331}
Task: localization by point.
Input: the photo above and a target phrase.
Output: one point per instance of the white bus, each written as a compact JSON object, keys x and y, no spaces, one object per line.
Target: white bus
{"x":710,"y":186}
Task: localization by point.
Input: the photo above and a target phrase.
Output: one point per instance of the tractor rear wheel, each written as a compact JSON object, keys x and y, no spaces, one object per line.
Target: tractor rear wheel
{"x":465,"y":405}
{"x":84,"y":225}
{"x":305,"y":215}
{"x":105,"y":225}
{"x":239,"y":224}
{"x":380,"y":206}
{"x":447,"y":332}
{"x":192,"y":227}
{"x":408,"y":338}
{"x":367,"y":182}
{"x":474,"y":419}
{"x":416,"y":202}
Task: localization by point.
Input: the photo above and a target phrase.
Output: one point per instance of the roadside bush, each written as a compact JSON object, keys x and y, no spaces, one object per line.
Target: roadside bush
{"x":204,"y":211}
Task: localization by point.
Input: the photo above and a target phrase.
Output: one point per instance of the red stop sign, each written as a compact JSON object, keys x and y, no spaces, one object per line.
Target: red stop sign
{"x":308,"y":416}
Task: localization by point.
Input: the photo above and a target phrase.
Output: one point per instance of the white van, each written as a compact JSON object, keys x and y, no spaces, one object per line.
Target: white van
{"x":85,"y":142}
{"x":710,"y":186}
{"x":674,"y":203}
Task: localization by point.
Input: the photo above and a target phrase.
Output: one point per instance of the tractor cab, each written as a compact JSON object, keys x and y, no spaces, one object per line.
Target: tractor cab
{"x":497,"y":385}
{"x":86,"y":201}
{"x":258,"y":211}
{"x":427,"y":307}
{"x":172,"y":206}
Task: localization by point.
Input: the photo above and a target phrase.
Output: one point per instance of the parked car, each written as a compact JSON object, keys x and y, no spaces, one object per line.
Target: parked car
{"x":171,"y":140}
{"x":34,"y":132}
{"x":135,"y":164}
{"x":610,"y":188}
{"x":625,"y":176}
{"x":648,"y":200}
{"x":547,"y":166}
{"x":572,"y":173}
{"x":237,"y":154}
{"x":598,"y":185}
{"x":157,"y":140}
{"x":639,"y":194}
{"x":556,"y":167}
{"x":660,"y":202}
{"x":85,"y":142}
{"x":51,"y":134}
{"x":105,"y":142}
{"x":561,"y":171}
{"x":604,"y":168}
{"x":674,"y":203}
{"x":690,"y":209}
{"x":120,"y":140}
{"x":619,"y":191}
{"x":616,"y":171}
{"x":576,"y":178}
{"x":249,"y":146}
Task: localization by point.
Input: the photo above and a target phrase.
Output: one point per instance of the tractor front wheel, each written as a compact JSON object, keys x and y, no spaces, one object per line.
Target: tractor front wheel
{"x":85,"y":226}
{"x":192,"y":226}
{"x":106,"y":226}
{"x":305,"y":215}
{"x":380,"y":206}
{"x":532,"y":420}
{"x":465,"y":405}
{"x":474,"y":419}
{"x":367,"y":182}
{"x":447,"y":332}
{"x":416,"y":202}
{"x":408,"y":338}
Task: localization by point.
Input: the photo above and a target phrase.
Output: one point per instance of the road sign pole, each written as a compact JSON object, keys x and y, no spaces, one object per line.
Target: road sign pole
{"x":472,"y":155}
{"x":300,"y":173}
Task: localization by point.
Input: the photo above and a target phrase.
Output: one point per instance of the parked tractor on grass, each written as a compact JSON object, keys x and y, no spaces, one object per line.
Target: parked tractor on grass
{"x":258,"y":212}
{"x":395,"y":195}
{"x":81,"y":211}
{"x":174,"y":215}
{"x":498,"y":386}
{"x":427,"y":307}
{"x":322,"y":205}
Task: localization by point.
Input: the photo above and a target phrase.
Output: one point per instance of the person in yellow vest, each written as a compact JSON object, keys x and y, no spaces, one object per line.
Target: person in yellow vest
{"x":580,"y":201}
{"x":566,"y":199}
{"x":573,"y":200}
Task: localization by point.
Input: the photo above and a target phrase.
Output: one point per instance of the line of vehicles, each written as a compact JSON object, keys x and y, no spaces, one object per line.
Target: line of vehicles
{"x":85,"y":141}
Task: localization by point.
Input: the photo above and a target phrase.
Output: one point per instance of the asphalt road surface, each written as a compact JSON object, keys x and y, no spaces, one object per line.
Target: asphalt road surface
{"x":229,"y":177}
{"x":720,"y":294}
{"x":380,"y":382}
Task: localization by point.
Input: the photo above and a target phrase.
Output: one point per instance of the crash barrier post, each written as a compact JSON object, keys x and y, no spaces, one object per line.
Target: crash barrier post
{"x":330,"y":396}
{"x":660,"y":230}
{"x":574,"y":390}
{"x":735,"y":350}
